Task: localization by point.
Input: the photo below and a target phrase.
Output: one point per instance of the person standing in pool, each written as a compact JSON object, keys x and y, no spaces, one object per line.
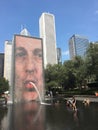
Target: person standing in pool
{"x":74,"y":103}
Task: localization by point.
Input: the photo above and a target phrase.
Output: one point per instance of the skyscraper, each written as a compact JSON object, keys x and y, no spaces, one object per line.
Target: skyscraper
{"x":78,"y":46}
{"x":59,"y":55}
{"x":8,"y":61}
{"x":1,"y":64}
{"x":48,"y":34}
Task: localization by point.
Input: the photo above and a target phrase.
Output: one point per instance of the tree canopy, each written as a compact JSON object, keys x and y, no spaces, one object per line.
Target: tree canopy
{"x":4,"y":85}
{"x":74,"y":73}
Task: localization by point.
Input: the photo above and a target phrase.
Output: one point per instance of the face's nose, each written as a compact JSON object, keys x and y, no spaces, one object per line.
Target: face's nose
{"x":31,"y":65}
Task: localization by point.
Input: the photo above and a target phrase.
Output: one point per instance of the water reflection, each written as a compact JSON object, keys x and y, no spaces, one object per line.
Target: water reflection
{"x":31,"y":117}
{"x":59,"y":117}
{"x":3,"y":118}
{"x":25,"y":116}
{"x":34,"y":116}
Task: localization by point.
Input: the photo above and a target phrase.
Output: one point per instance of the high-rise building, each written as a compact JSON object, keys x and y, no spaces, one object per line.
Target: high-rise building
{"x":1,"y":64}
{"x":7,"y":60}
{"x":78,"y":46}
{"x":48,"y":34}
{"x":59,"y":55}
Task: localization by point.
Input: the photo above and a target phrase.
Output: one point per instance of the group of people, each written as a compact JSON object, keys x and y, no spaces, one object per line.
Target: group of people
{"x":72,"y":102}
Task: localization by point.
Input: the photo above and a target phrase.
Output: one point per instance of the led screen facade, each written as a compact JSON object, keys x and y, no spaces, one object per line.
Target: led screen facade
{"x":28,"y":66}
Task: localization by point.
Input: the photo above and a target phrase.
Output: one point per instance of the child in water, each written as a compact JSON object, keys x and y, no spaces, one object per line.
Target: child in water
{"x":72,"y":103}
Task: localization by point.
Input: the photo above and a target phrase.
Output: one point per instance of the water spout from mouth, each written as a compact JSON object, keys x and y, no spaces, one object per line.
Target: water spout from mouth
{"x":39,"y":94}
{"x":36,"y":91}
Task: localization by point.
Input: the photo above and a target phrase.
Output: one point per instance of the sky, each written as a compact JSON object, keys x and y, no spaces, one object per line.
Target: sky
{"x":71,"y":17}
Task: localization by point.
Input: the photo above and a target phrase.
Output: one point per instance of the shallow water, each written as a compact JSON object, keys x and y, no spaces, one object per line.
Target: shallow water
{"x":57,"y":116}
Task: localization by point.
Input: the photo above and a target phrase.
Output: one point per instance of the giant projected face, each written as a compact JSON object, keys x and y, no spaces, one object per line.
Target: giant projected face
{"x":28,"y":68}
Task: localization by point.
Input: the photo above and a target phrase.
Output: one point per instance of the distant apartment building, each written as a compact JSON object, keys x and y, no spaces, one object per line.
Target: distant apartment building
{"x":48,"y":34}
{"x":8,"y":60}
{"x":59,"y":56}
{"x":78,"y":46}
{"x":1,"y":64}
{"x":96,"y":42}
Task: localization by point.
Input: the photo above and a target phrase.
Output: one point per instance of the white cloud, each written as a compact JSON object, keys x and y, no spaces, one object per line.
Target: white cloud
{"x":66,"y":53}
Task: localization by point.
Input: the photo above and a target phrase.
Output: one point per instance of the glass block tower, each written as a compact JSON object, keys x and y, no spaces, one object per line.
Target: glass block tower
{"x":78,"y":46}
{"x":48,"y":34}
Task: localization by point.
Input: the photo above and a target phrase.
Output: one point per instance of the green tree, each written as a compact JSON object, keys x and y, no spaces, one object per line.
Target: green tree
{"x":54,"y":75}
{"x":4,"y":85}
{"x":69,"y":74}
{"x":92,"y":62}
{"x":79,"y":71}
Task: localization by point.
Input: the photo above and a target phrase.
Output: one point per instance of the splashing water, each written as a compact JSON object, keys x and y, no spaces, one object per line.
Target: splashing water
{"x":37,"y":91}
{"x":39,"y":94}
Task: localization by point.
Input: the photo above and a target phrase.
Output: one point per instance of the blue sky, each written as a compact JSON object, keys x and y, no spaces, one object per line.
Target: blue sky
{"x":71,"y":17}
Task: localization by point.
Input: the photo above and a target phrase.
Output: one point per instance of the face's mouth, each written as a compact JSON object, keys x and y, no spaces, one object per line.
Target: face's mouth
{"x":30,"y":86}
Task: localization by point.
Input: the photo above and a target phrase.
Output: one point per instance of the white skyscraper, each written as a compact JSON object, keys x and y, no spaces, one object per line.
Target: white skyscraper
{"x":48,"y":34}
{"x":7,"y":60}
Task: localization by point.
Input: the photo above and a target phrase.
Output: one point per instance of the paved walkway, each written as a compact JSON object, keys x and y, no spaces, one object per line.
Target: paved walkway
{"x":90,"y":97}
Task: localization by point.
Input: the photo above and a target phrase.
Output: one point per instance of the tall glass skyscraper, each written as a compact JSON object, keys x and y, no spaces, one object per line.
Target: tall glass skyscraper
{"x":48,"y":34}
{"x":78,"y":46}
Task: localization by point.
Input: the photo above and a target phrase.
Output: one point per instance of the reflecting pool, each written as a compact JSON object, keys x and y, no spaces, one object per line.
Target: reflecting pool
{"x":57,"y":116}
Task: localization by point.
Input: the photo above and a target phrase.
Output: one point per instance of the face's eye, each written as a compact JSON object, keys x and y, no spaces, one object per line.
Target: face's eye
{"x":38,"y":53}
{"x":20,"y":54}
